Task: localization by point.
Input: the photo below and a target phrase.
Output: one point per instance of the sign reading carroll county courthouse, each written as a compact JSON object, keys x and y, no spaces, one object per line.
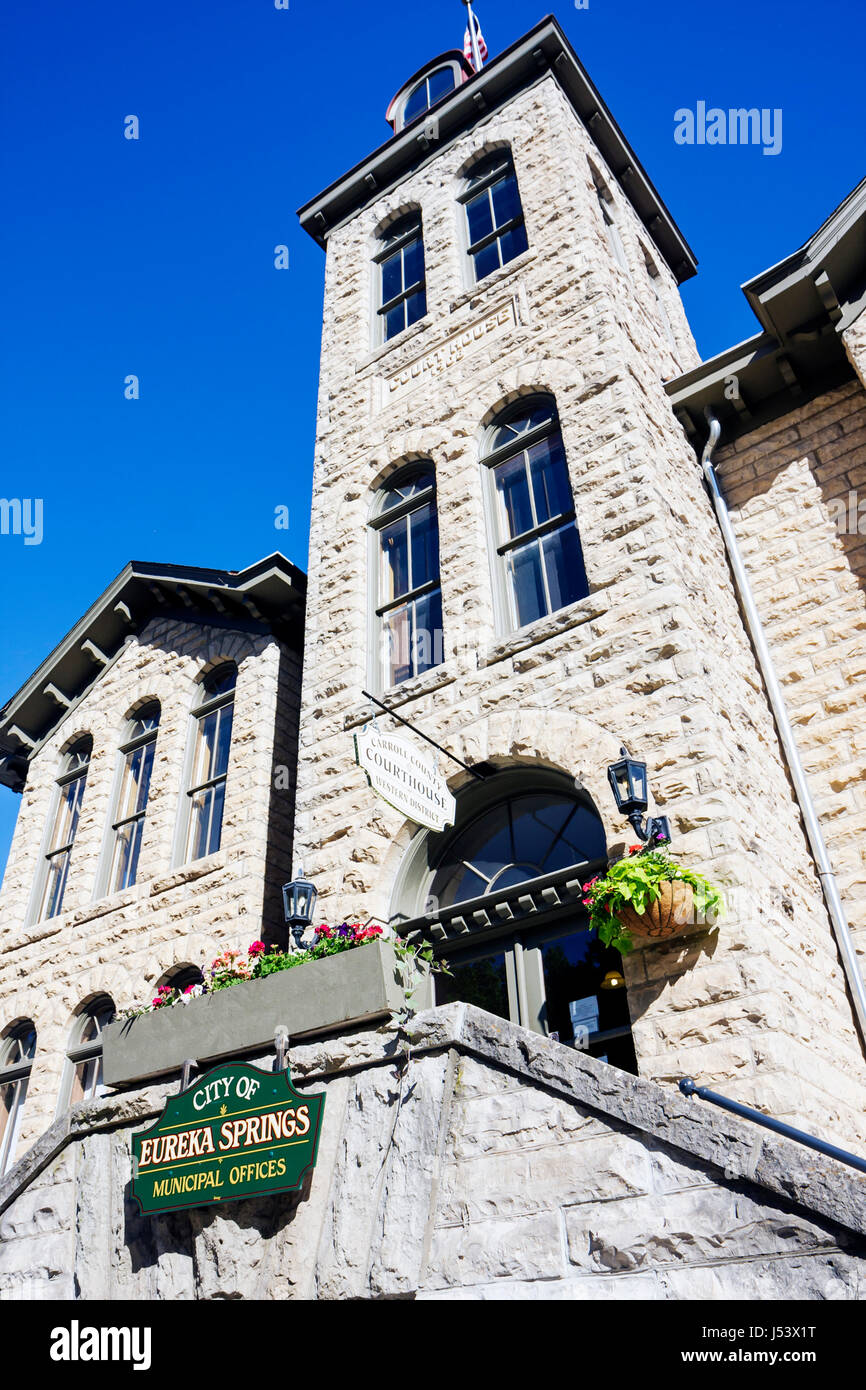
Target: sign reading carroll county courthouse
{"x":407,"y":779}
{"x":237,"y":1132}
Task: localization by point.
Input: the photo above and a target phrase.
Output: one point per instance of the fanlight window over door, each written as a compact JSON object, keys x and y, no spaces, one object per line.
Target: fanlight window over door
{"x":522,"y":838}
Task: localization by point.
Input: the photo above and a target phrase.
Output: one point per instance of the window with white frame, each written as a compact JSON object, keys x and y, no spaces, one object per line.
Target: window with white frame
{"x":402,"y":284}
{"x":538,"y":556}
{"x":67,"y":812}
{"x":408,"y":596}
{"x":494,"y":214}
{"x":83,"y":1080}
{"x":137,"y":753}
{"x":17,"y":1050}
{"x":427,"y":92}
{"x":208,"y":765}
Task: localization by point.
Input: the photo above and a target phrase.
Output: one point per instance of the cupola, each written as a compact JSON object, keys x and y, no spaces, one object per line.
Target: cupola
{"x":436,"y":80}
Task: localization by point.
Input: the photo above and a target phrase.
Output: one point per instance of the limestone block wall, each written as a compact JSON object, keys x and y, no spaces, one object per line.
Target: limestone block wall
{"x":795,"y":487}
{"x":656,"y":656}
{"x":123,"y":944}
{"x":464,"y":1159}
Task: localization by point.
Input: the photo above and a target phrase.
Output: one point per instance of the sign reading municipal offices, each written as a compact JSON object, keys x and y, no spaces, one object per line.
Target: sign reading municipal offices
{"x":237,"y":1132}
{"x":406,"y":778}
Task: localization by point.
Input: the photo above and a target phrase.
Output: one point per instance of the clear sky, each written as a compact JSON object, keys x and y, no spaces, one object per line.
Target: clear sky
{"x":155,"y":256}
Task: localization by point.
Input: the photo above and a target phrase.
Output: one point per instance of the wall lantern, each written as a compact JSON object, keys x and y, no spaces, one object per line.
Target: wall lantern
{"x":629,"y":782}
{"x":299,"y":904}
{"x":614,"y":979}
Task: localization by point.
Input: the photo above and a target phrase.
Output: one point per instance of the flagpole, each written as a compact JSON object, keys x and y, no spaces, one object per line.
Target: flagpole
{"x":476,"y":54}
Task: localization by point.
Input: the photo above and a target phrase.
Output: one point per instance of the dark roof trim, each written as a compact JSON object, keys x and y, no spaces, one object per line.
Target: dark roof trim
{"x":803,"y":303}
{"x":269,"y":594}
{"x":544,"y":48}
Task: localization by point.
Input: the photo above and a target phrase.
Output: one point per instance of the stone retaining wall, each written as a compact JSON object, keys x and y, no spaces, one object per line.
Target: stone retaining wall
{"x":468,"y":1158}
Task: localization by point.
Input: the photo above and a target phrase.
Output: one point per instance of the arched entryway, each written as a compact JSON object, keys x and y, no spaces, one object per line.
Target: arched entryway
{"x":500,"y":897}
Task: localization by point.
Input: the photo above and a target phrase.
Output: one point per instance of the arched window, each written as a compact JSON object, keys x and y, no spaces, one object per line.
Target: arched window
{"x":137,"y":752}
{"x":494,"y":214}
{"x":427,"y":92}
{"x":503,"y":902}
{"x":83,"y":1080}
{"x":538,"y":558}
{"x":181,"y":977}
{"x":408,"y":597}
{"x":204,"y":800}
{"x":402,"y":284}
{"x":609,"y":217}
{"x":67,"y":811}
{"x":17,"y":1050}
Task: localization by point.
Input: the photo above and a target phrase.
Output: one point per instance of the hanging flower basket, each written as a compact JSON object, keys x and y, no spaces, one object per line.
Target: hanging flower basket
{"x":647,"y":896}
{"x":672,"y":910}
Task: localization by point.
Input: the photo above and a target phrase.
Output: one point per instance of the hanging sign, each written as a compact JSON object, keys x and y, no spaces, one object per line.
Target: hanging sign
{"x":407,"y":779}
{"x":236,"y":1132}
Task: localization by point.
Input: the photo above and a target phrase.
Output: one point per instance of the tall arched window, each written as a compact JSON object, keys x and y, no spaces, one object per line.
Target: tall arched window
{"x":408,"y":599}
{"x":402,"y":284}
{"x":67,"y":812}
{"x":427,"y":92}
{"x":204,"y":800}
{"x":137,"y":752}
{"x":494,"y":214}
{"x":17,"y":1050}
{"x":503,"y":901}
{"x":538,"y":558}
{"x":83,"y":1079}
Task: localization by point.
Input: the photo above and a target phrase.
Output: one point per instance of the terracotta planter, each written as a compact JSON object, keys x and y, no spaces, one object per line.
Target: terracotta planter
{"x":672,"y":911}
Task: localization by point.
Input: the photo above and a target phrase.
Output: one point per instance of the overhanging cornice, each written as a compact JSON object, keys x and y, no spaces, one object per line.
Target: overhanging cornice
{"x":544,"y":49}
{"x":803,"y":303}
{"x":269,"y":594}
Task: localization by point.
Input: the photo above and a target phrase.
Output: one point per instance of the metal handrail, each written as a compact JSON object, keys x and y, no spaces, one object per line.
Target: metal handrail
{"x":690,"y":1088}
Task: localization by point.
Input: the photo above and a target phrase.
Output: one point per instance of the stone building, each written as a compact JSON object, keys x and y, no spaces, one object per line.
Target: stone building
{"x":515,"y":550}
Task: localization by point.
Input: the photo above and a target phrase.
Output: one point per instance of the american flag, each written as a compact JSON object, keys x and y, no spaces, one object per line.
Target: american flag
{"x":467,"y":42}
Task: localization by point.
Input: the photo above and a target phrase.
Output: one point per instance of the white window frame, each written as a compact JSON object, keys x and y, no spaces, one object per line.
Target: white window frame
{"x":71,"y":771}
{"x":390,"y":242}
{"x":499,"y":546}
{"x":377,"y":610}
{"x":16,"y":1074}
{"x":204,"y":706}
{"x":482,"y":174}
{"x":132,"y":742}
{"x":100,"y":1011}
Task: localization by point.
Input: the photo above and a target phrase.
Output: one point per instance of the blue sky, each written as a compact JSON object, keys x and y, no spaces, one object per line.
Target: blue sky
{"x":155,"y":257}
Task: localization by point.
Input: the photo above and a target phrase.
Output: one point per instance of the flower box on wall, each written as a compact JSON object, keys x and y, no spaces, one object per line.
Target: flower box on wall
{"x":354,"y":987}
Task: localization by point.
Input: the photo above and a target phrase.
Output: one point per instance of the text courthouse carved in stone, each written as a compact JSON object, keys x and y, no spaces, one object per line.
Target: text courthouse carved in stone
{"x":239,"y":1132}
{"x":455,"y":347}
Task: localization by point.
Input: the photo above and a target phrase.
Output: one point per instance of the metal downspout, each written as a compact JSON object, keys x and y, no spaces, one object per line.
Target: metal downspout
{"x":841,"y":930}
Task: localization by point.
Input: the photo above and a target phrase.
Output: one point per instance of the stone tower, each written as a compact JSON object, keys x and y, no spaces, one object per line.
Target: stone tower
{"x":501,"y":312}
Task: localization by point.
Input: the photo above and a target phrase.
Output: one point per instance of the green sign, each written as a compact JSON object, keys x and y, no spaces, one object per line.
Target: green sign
{"x":236,"y":1132}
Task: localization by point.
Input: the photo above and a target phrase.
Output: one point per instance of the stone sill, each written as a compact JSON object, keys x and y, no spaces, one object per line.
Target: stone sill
{"x":402,"y":339}
{"x":478,"y":294}
{"x":543,"y":629}
{"x":399,"y":695}
{"x":321,"y":996}
{"x":188,"y":873}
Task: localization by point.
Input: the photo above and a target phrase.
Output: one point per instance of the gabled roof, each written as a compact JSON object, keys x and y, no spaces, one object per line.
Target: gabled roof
{"x":269,"y":594}
{"x":544,"y":49}
{"x":803,"y":304}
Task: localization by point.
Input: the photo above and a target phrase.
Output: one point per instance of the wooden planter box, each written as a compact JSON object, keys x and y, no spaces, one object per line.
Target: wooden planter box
{"x":320,"y":996}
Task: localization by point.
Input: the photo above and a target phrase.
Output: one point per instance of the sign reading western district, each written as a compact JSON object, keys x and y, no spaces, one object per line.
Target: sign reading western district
{"x":237,"y":1132}
{"x":406,"y":779}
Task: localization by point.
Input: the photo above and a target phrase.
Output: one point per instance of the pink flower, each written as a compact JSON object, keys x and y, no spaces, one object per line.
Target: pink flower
{"x":257,"y":949}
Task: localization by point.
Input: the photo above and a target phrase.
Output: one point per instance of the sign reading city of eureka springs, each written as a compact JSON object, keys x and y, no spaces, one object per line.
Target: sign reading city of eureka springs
{"x":236,"y":1132}
{"x":406,"y":778}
